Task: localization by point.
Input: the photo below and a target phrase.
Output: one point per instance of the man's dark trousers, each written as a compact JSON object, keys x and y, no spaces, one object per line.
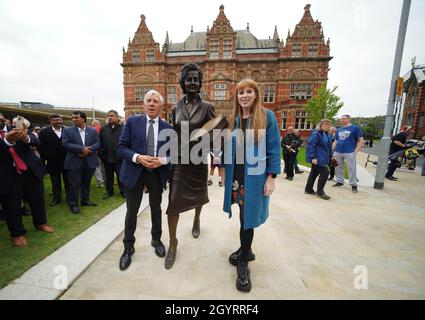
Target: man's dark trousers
{"x":79,"y":179}
{"x":392,"y":167}
{"x":25,"y":183}
{"x":134,"y":197}
{"x":110,"y":169}
{"x":289,"y":164}
{"x":56,"y":180}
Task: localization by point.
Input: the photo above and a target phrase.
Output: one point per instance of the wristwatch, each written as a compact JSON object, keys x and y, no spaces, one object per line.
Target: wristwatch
{"x":272,"y":175}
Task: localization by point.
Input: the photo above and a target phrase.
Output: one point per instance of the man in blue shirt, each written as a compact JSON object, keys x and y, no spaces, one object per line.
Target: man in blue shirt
{"x":348,"y":141}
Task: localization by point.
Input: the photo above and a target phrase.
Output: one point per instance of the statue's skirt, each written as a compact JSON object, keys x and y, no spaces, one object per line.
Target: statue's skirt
{"x":188,"y":187}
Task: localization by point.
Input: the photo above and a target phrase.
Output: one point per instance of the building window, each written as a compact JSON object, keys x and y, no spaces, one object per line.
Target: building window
{"x":150,"y":55}
{"x":227,"y":49}
{"x":170,"y":117}
{"x":172,"y":94}
{"x":421,"y":123}
{"x":269,"y":93}
{"x":141,"y":91}
{"x":296,"y":50}
{"x":135,"y":57}
{"x":312,"y":50}
{"x":214,"y":48}
{"x":301,"y":91}
{"x":412,"y":98}
{"x":410,"y":117}
{"x":220,"y":91}
{"x":301,"y":121}
{"x":133,"y":114}
{"x":284,"y":116}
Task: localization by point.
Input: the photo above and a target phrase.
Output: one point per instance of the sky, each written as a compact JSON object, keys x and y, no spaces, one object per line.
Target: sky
{"x":68,"y":52}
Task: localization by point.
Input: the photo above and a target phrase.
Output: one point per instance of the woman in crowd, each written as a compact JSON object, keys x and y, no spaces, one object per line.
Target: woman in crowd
{"x":319,"y":154}
{"x":249,"y":183}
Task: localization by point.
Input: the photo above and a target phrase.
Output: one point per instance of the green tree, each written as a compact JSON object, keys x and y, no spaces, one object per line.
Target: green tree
{"x":325,"y":104}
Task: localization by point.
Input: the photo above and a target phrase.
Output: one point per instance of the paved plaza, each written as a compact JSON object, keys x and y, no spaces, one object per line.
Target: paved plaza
{"x":308,"y":249}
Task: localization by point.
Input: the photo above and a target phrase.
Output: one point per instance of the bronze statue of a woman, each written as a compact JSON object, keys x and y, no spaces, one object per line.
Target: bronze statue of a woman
{"x":188,"y":182}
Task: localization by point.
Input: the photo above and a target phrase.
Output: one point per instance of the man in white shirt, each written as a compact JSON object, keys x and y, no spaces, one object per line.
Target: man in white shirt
{"x":142,"y":166}
{"x":81,"y":143}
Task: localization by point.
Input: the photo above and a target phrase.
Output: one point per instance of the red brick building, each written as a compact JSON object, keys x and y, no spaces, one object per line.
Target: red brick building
{"x":414,"y":103}
{"x":288,"y":72}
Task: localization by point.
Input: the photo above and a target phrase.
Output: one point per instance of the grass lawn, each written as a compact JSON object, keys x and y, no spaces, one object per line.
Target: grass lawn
{"x":15,"y":261}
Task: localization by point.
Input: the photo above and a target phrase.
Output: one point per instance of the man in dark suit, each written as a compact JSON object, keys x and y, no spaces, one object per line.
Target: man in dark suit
{"x":143,"y":166}
{"x":3,"y":130}
{"x":21,"y":173}
{"x":81,"y":143}
{"x":54,"y":153}
{"x":109,"y":137}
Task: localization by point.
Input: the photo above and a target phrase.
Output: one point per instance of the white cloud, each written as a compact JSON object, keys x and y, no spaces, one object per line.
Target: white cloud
{"x":66,"y":52}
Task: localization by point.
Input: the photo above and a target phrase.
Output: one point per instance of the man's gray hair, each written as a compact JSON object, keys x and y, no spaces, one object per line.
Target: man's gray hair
{"x":153,"y":93}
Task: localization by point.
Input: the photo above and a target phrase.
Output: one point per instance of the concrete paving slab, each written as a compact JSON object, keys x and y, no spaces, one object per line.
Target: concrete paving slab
{"x":308,"y":249}
{"x":49,"y":278}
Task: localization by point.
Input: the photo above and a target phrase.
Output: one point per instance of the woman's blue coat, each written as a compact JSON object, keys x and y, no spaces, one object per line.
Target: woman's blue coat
{"x":265,"y":160}
{"x":319,"y":146}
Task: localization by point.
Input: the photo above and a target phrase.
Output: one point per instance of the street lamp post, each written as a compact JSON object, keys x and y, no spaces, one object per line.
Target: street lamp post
{"x":389,"y":120}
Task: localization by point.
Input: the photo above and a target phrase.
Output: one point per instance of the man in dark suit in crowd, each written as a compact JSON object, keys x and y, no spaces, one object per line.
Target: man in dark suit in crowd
{"x":81,"y":143}
{"x":3,"y":130}
{"x":54,"y":153}
{"x":109,"y":136}
{"x":143,"y":166}
{"x":21,"y":173}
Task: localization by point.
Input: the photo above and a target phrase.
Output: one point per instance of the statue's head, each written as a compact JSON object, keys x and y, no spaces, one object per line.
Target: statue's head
{"x":191,"y":78}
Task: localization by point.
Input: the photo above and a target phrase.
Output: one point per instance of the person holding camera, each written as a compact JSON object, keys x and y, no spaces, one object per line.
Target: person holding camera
{"x":21,"y":174}
{"x":290,"y":144}
{"x":319,"y":154}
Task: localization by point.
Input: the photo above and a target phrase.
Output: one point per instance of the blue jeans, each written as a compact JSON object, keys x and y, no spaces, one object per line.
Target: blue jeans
{"x":423,"y":168}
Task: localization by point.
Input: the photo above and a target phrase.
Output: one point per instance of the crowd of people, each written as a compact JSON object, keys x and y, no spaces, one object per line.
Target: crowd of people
{"x":134,"y":153}
{"x":68,"y":155}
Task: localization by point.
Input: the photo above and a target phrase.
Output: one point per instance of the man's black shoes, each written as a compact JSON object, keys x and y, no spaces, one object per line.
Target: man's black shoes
{"x":107,"y":196}
{"x":88,"y":204}
{"x":323,"y":196}
{"x":75,"y":210}
{"x":159,"y":248}
{"x":125,"y":259}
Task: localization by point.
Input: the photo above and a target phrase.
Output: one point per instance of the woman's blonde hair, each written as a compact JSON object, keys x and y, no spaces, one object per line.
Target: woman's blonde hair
{"x":258,"y":114}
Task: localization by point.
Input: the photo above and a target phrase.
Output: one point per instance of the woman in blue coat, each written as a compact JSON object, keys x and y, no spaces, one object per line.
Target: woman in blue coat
{"x":252,"y":161}
{"x":319,"y":154}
